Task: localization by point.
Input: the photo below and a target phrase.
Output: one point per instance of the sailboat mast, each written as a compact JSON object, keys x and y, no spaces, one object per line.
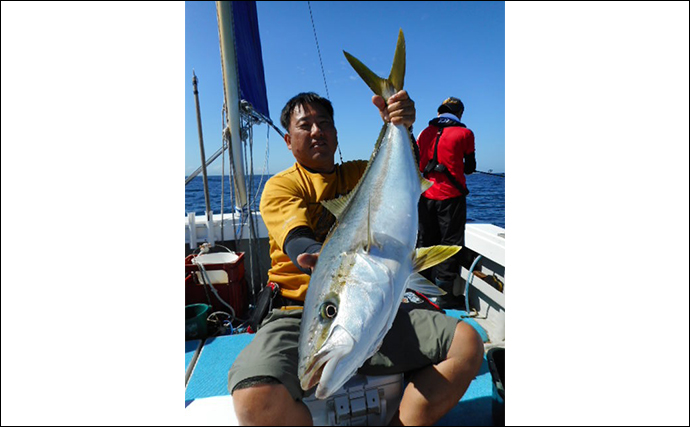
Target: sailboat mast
{"x":226,"y":35}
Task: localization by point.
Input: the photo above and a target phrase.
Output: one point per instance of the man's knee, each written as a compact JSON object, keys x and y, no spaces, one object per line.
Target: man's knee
{"x":269,"y":404}
{"x":255,"y":404}
{"x":467,"y":343}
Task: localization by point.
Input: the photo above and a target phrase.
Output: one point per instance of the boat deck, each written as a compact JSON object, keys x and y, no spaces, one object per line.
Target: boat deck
{"x":208,"y":402}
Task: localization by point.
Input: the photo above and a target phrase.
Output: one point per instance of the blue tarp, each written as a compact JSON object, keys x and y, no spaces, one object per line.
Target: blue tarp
{"x":249,"y":59}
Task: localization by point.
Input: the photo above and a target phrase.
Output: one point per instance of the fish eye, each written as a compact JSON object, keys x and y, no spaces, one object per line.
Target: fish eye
{"x":328,"y":310}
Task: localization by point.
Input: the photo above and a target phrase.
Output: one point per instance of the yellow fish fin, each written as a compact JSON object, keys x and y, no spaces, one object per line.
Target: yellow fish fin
{"x":384,"y":87}
{"x":337,"y":206}
{"x":426,"y":184}
{"x":429,"y":257}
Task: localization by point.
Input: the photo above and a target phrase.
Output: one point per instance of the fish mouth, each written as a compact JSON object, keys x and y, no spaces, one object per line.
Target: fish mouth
{"x":322,"y":366}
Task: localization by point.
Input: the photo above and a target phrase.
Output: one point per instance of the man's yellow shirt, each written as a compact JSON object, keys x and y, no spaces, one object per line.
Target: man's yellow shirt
{"x":292,"y":198}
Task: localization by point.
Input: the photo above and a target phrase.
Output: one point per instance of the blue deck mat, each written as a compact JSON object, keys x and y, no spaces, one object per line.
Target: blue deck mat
{"x":458,"y":314}
{"x":210,"y":376}
{"x":474,"y":409}
{"x":189,"y":350}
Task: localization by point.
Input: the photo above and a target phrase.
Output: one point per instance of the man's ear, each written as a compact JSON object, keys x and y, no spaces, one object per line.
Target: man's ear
{"x":288,"y":141}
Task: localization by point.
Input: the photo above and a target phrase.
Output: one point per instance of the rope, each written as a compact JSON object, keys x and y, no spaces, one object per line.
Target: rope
{"x":323,"y":73}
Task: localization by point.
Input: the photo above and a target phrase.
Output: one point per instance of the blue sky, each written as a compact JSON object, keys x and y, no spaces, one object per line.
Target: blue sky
{"x":93,"y":136}
{"x":453,"y":49}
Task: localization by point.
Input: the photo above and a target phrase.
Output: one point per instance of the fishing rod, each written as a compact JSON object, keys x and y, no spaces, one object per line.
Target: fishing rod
{"x":201,"y":145}
{"x":503,"y":175}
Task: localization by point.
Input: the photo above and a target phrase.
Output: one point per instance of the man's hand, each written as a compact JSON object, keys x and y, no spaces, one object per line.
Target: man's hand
{"x":307,"y":261}
{"x":400,"y":110}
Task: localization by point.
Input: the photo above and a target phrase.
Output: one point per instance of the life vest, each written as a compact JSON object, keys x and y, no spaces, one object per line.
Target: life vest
{"x":434,"y":165}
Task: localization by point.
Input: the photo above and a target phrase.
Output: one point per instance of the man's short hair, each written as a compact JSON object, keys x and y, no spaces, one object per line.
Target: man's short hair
{"x":303,"y":99}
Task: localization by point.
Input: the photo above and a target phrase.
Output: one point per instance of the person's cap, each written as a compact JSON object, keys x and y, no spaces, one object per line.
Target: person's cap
{"x":452,"y":105}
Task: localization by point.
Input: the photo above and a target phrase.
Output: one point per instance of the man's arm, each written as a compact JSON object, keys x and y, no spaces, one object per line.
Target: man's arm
{"x":284,"y":212}
{"x":470,"y":163}
{"x":301,"y":240}
{"x":469,"y":159}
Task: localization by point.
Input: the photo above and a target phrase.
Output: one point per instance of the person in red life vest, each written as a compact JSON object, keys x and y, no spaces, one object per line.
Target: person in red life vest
{"x":446,"y":154}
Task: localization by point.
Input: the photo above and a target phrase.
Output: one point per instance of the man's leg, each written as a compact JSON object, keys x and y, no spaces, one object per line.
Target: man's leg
{"x":451,"y":223}
{"x":429,"y":234}
{"x":433,"y":391}
{"x":452,"y":217}
{"x":263,"y":379}
{"x":269,"y":405}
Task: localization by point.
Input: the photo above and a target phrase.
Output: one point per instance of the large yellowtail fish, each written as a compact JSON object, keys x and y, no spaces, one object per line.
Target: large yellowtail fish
{"x":368,"y":259}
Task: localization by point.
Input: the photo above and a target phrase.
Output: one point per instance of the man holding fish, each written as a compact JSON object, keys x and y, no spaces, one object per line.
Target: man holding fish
{"x":347,"y":232}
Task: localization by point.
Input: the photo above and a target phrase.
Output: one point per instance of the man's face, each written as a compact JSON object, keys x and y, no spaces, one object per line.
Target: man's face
{"x":312,"y":137}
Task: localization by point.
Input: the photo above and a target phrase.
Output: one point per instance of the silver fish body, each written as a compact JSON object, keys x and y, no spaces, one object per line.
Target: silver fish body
{"x":369,"y":258}
{"x":362,"y":269}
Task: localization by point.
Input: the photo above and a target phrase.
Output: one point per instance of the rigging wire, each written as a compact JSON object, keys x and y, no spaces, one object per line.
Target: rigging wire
{"x":323,"y":73}
{"x":248,"y":140}
{"x":318,"y":49}
{"x":251,"y":117}
{"x":254,"y":117}
{"x":257,"y":118}
{"x":222,"y":185}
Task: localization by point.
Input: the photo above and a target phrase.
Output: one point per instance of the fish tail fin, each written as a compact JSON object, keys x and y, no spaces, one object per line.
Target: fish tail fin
{"x":397,"y":75}
{"x":384,"y":87}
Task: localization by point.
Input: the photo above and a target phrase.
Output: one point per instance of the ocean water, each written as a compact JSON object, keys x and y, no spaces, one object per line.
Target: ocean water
{"x":485,"y":203}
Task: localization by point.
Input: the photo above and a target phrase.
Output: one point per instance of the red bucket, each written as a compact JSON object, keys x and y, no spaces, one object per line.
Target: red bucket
{"x":226,"y":272}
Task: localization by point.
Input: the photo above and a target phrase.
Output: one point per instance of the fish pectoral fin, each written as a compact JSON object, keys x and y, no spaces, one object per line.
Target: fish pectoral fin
{"x":337,"y":206}
{"x":429,"y":257}
{"x":421,"y":284}
{"x":426,"y":184}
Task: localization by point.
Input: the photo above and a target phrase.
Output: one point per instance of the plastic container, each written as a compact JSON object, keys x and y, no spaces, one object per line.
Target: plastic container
{"x":362,"y":401}
{"x":222,"y":267}
{"x":496,"y":358}
{"x":226,"y":273}
{"x":195,"y":325}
